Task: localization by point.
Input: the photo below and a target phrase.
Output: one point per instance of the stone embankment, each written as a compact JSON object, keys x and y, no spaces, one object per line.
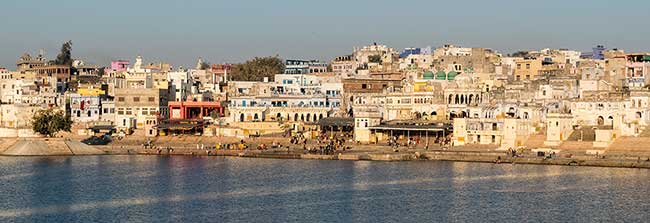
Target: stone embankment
{"x":65,"y":147}
{"x":498,"y":157}
{"x":45,"y":147}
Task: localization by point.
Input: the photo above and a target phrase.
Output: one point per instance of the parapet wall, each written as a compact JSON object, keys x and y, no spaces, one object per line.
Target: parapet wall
{"x":17,"y":133}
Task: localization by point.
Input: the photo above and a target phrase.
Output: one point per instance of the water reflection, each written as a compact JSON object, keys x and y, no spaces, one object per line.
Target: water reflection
{"x":174,"y":188}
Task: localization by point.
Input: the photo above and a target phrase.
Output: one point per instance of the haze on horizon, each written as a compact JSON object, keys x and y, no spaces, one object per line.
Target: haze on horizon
{"x":232,"y":31}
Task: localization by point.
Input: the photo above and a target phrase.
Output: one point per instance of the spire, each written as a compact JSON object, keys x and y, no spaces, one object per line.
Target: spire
{"x":199,"y":63}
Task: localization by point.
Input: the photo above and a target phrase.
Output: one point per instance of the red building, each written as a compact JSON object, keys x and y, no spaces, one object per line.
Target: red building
{"x":194,"y":109}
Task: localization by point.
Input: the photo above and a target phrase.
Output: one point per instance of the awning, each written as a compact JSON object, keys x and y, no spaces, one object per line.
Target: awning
{"x":179,"y":126}
{"x":98,"y":128}
{"x":335,"y":121}
{"x":430,"y":128}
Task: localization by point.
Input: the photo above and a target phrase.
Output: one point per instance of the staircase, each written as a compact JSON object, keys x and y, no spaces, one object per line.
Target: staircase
{"x":586,"y":134}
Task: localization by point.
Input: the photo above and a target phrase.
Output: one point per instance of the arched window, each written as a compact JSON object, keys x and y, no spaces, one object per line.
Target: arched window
{"x":600,"y":120}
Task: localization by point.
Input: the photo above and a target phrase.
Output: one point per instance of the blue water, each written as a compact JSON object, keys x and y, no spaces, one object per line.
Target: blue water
{"x":219,"y":189}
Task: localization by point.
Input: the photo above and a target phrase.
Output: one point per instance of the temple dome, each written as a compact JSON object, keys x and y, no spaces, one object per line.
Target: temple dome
{"x":427,"y":75}
{"x":441,"y":75}
{"x":451,"y":75}
{"x":464,"y":80}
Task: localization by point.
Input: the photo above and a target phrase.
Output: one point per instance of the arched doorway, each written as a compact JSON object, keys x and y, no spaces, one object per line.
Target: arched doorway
{"x":600,"y":120}
{"x":241,"y":117}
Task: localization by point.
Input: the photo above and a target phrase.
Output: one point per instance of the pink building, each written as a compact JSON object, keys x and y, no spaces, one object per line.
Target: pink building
{"x":120,"y":65}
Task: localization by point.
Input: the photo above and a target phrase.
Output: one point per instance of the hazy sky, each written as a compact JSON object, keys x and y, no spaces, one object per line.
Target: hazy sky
{"x":231,"y":31}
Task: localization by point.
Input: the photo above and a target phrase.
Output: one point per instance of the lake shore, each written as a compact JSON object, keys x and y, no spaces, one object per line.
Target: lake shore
{"x":206,"y":146}
{"x":384,"y":153}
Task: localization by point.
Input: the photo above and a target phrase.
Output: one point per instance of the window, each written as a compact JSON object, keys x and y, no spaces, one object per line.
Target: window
{"x":136,"y":99}
{"x":527,"y":66}
{"x":364,"y":86}
{"x":120,"y":99}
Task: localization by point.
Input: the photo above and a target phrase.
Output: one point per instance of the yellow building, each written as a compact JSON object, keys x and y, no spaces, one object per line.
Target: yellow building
{"x":527,"y":69}
{"x":90,"y":91}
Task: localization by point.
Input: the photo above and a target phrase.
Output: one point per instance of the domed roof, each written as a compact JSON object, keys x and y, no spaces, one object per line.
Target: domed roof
{"x":464,"y":80}
{"x":451,"y":75}
{"x":441,"y":75}
{"x":427,"y":75}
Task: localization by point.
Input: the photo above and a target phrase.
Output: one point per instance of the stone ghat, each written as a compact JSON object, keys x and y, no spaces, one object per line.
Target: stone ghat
{"x":45,"y":147}
{"x":420,"y":155}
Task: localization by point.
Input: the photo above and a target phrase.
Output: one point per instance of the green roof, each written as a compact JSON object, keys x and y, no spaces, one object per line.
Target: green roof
{"x":452,"y":75}
{"x":440,"y":75}
{"x":427,"y":75}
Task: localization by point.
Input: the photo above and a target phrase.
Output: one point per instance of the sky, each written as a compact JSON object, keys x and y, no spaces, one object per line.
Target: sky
{"x":179,"y":32}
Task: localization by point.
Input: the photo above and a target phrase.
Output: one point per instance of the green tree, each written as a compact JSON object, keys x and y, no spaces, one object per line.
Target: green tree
{"x":257,"y":68}
{"x":374,"y":59}
{"x":204,"y":66}
{"x":520,"y":54}
{"x":65,"y":56}
{"x":48,"y":122}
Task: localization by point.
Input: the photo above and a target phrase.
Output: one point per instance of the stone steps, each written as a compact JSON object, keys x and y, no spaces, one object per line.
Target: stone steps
{"x":535,"y":141}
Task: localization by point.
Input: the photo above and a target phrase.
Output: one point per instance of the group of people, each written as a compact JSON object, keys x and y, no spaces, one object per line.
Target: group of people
{"x":331,"y":146}
{"x":298,"y":139}
{"x":233,"y":146}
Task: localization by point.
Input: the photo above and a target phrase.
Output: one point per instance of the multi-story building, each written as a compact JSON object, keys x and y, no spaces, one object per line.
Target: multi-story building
{"x":140,"y":108}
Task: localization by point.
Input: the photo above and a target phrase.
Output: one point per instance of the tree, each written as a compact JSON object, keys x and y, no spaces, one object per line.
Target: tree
{"x":48,"y":122}
{"x":374,"y":59}
{"x":257,"y":68}
{"x":65,"y":56}
{"x":520,"y":54}
{"x":204,"y":66}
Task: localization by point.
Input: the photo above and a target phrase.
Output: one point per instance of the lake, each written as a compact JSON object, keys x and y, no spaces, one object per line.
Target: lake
{"x":230,"y":189}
